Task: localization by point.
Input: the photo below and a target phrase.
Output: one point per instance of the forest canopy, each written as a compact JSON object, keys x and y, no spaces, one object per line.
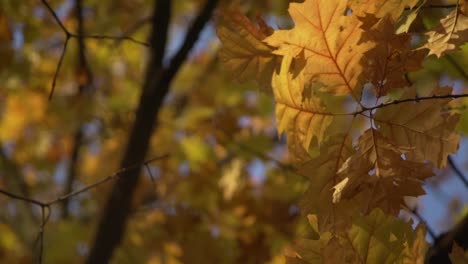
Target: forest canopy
{"x":212,"y":131}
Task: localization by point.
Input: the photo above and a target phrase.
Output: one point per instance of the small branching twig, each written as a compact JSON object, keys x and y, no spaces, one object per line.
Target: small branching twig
{"x":457,"y":171}
{"x":68,"y":34}
{"x":46,"y":209}
{"x":409,"y":100}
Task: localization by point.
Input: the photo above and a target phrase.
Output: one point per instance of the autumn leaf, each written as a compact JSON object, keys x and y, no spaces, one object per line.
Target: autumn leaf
{"x":410,"y":18}
{"x":376,"y":238}
{"x":322,"y":172}
{"x":230,"y":181}
{"x":301,"y":117}
{"x":243,"y":51}
{"x":451,"y":33}
{"x":381,"y":8}
{"x":421,"y":126}
{"x":378,"y":176}
{"x":415,"y":251}
{"x":458,"y":255}
{"x":327,"y":40}
{"x":391,"y":58}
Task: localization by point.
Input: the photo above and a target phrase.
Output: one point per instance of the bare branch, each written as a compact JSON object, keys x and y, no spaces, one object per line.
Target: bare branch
{"x":409,"y":100}
{"x":191,"y":38}
{"x":59,"y":65}
{"x":46,"y":209}
{"x":115,"y":38}
{"x":457,"y":171}
{"x":56,"y":18}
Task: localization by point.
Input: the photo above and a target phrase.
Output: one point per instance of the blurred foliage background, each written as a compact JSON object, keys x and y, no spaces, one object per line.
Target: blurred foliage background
{"x":225,"y":194}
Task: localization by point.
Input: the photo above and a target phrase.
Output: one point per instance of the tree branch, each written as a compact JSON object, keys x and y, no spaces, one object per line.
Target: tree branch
{"x":112,"y":224}
{"x":84,"y":80}
{"x":46,"y":206}
{"x":409,"y":100}
{"x":457,"y":171}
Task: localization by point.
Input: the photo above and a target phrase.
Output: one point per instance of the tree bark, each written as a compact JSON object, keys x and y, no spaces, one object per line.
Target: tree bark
{"x":111,"y":227}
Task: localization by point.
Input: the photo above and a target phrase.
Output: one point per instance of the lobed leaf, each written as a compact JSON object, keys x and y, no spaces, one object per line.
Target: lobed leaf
{"x":422,"y":126}
{"x":451,"y":33}
{"x":327,"y":42}
{"x":243,"y":51}
{"x":378,"y":176}
{"x":381,"y":8}
{"x":391,"y":57}
{"x":300,"y":117}
{"x":322,"y":172}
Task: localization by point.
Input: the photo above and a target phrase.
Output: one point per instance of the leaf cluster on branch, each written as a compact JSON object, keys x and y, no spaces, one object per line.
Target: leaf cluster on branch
{"x":341,"y":81}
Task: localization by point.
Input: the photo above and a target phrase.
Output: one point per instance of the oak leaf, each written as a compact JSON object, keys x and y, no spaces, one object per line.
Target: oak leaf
{"x":415,"y":251}
{"x":421,"y":126}
{"x":322,"y":172}
{"x":375,"y":238}
{"x":391,"y":58}
{"x":458,"y":255}
{"x":378,"y":176}
{"x":301,"y":117}
{"x":451,"y":33}
{"x":243,"y":51}
{"x":327,"y":40}
{"x":381,"y":8}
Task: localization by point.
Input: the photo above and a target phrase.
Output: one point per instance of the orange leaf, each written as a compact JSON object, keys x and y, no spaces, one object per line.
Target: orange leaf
{"x":452,"y":32}
{"x":328,"y":42}
{"x":243,"y":50}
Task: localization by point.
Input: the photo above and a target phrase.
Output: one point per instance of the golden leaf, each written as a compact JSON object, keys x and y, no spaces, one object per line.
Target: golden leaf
{"x":415,"y":251}
{"x":327,"y":40}
{"x":391,"y":58}
{"x":452,"y":32}
{"x":378,"y":176}
{"x":381,"y":8}
{"x":302,"y":118}
{"x":458,"y":255}
{"x":243,"y":51}
{"x":322,"y":172}
{"x":421,"y":126}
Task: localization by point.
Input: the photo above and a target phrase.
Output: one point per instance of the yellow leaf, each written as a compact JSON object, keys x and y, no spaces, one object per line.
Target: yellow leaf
{"x":415,"y":251}
{"x":243,"y":51}
{"x":421,"y":126}
{"x":379,"y":176}
{"x":405,"y":26}
{"x":381,"y":8}
{"x":327,"y":41}
{"x":391,"y":58}
{"x":300,"y":117}
{"x":376,"y":238}
{"x":451,"y":33}
{"x":322,"y":172}
{"x":229,"y":181}
{"x":458,"y":255}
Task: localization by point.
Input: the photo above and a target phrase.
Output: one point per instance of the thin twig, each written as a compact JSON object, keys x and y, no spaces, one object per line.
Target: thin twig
{"x":59,"y":65}
{"x":115,"y":38}
{"x":457,"y":171}
{"x":430,"y":6}
{"x":46,"y":209}
{"x":21,"y":198}
{"x":409,"y":100}
{"x":457,"y":66}
{"x":106,"y":179}
{"x":191,"y":38}
{"x":56,"y":18}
